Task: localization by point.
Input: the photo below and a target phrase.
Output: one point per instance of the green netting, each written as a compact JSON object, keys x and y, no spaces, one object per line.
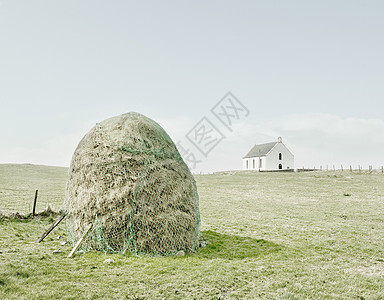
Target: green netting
{"x":128,"y":180}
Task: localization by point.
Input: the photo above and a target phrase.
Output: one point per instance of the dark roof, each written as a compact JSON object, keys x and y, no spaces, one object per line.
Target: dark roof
{"x":260,"y":150}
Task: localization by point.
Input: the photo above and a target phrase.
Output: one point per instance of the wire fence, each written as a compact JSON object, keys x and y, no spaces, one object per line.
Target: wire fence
{"x":22,"y":201}
{"x":353,"y":169}
{"x":18,"y":185}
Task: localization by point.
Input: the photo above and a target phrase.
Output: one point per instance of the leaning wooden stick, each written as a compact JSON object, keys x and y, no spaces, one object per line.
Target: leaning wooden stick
{"x":51,"y":228}
{"x":79,"y":241}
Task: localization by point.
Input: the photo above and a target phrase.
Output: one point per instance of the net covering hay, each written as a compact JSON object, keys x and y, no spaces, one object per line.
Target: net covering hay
{"x":129,"y":180}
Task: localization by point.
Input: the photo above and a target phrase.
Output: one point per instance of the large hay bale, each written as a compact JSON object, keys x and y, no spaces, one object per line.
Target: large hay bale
{"x":128,"y":179}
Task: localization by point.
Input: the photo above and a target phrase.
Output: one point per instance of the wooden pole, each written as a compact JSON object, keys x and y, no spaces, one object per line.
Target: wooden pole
{"x":350,"y":168}
{"x":342,"y":169}
{"x":34,"y":204}
{"x":334,"y":168}
{"x":51,"y":228}
{"x":382,"y":169}
{"x":79,"y":241}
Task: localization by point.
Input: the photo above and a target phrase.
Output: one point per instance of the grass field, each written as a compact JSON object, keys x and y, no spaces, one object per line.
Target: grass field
{"x":315,"y":235}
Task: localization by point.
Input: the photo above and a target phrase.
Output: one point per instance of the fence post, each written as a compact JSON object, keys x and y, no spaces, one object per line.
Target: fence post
{"x":382,"y":169}
{"x":350,"y":168}
{"x":34,"y":204}
{"x":334,"y":168}
{"x":342,"y":169}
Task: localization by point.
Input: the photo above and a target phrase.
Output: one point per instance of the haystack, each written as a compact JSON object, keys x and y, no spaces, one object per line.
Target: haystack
{"x":128,"y":179}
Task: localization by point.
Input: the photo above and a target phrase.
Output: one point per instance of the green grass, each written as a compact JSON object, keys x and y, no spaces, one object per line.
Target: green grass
{"x":269,"y":236}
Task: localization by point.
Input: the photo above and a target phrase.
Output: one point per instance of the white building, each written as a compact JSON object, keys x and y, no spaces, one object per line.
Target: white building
{"x":269,"y":157}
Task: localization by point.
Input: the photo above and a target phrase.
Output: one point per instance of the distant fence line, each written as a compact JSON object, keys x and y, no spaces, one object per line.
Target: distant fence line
{"x":341,"y":167}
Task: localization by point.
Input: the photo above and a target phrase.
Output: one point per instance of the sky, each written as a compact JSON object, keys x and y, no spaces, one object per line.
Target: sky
{"x":311,"y":72}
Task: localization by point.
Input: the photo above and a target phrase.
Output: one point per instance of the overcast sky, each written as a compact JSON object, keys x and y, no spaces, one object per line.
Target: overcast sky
{"x":309,"y":71}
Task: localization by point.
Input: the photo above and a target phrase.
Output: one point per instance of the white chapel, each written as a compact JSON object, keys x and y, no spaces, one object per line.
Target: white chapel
{"x":273,"y":156}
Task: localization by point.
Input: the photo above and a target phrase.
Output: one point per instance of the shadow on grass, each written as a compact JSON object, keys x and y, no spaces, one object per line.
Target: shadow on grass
{"x":234,"y":247}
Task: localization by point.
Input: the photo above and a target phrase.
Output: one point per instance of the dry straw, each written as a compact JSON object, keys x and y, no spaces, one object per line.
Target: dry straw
{"x":128,"y":179}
